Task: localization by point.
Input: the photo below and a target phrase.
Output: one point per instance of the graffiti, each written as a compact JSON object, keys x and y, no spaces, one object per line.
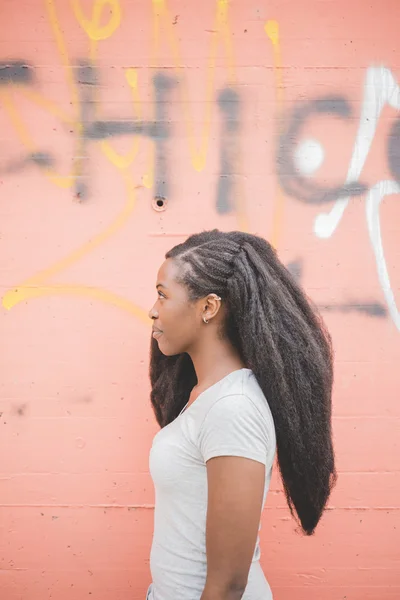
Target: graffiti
{"x":393,"y":150}
{"x":380,"y":88}
{"x":371,"y":309}
{"x":15,"y":72}
{"x":290,"y":176}
{"x":82,"y":87}
{"x":92,"y":129}
{"x":40,"y":159}
{"x":92,"y":27}
{"x":297,"y":159}
{"x":98,"y":130}
{"x":158,"y":130}
{"x":228,"y":101}
{"x":20,"y":73}
{"x":88,"y":129}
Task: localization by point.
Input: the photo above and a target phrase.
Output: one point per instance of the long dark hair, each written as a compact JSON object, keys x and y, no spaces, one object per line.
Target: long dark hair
{"x":281,"y":338}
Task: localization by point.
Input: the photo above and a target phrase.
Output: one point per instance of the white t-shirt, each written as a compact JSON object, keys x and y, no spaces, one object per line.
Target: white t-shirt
{"x":230,"y":418}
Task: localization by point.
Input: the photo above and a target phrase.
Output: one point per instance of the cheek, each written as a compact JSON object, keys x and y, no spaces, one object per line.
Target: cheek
{"x":179,"y":322}
{"x":178,"y":332}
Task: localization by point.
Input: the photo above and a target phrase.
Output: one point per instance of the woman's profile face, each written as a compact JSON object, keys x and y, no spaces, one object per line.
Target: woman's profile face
{"x":176,"y":320}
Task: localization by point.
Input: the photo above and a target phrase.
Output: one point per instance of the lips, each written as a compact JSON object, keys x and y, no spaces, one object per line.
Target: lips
{"x":156,"y":332}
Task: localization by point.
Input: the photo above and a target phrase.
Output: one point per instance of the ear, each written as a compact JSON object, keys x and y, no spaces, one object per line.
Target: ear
{"x":211,"y":306}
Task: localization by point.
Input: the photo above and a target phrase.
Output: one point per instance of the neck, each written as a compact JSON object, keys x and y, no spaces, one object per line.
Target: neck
{"x":213,"y":361}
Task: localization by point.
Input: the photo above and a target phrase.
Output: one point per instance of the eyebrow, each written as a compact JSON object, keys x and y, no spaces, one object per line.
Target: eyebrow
{"x":161,"y":285}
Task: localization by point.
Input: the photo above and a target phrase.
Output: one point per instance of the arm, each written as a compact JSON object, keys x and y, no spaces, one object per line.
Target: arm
{"x":235,"y":493}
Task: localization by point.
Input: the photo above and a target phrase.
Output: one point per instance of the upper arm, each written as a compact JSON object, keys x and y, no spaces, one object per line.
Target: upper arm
{"x":235,"y":495}
{"x":235,"y":445}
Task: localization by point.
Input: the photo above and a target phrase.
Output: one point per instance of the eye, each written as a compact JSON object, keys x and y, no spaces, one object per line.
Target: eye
{"x":160,"y":294}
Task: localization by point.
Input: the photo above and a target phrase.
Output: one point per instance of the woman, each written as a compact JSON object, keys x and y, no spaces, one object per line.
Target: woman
{"x":241,"y":366}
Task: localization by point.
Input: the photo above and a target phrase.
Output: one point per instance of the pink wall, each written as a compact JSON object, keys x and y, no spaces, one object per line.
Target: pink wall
{"x":193,"y":101}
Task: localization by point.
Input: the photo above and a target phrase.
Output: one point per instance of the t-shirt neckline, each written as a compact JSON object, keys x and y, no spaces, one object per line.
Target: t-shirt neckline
{"x":186,"y":407}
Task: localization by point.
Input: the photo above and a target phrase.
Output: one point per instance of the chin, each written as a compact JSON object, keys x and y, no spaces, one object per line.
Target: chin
{"x":167,"y":350}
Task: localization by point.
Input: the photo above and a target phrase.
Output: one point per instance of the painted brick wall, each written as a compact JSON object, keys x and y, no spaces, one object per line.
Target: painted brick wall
{"x":124,"y":127}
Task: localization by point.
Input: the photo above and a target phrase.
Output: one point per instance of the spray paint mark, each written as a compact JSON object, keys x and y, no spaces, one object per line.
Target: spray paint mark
{"x":91,"y":129}
{"x":20,"y":409}
{"x":161,"y":131}
{"x":380,"y":88}
{"x":86,"y":78}
{"x":40,"y":159}
{"x":15,"y":72}
{"x":393,"y":150}
{"x":157,"y":130}
{"x":371,"y":309}
{"x":228,"y":102}
{"x":295,"y":268}
{"x":291,"y":178}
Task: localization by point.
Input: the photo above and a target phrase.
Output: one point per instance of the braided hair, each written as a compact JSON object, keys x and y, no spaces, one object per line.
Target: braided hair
{"x":280,"y":336}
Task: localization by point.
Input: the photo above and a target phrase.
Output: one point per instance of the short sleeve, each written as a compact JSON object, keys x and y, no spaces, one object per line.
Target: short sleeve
{"x":234,"y":426}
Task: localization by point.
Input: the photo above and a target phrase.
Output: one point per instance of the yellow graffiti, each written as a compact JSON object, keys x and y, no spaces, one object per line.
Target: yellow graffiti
{"x":38,"y":285}
{"x":41,"y":283}
{"x":82,"y":291}
{"x":27,"y":141}
{"x":61,"y":181}
{"x":92,"y":27}
{"x":119,"y":161}
{"x":220,"y":33}
{"x":148,"y":177}
{"x":272,"y":30}
{"x":198,"y":152}
{"x":47,"y":105}
{"x":95,"y":34}
{"x":62,"y":48}
{"x":223,"y":26}
{"x":79,"y":253}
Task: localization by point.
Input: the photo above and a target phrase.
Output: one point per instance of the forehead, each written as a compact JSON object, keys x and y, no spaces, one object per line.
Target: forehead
{"x":168,"y":273}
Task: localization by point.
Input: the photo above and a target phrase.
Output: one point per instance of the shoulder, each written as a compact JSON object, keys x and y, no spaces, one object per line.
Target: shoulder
{"x":241,"y":396}
{"x":239,"y":412}
{"x":238,"y":423}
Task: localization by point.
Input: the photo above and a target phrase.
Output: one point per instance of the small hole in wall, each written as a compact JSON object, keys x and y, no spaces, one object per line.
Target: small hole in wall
{"x":159,"y":203}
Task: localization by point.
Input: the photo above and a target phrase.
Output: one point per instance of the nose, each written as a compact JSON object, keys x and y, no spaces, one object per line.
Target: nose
{"x":153,"y":313}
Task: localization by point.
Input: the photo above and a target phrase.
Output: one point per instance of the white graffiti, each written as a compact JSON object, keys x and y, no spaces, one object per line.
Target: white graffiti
{"x":380,"y":88}
{"x":309,"y":157}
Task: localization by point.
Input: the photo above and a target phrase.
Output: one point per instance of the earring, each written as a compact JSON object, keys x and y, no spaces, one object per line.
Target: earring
{"x":205,"y":320}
